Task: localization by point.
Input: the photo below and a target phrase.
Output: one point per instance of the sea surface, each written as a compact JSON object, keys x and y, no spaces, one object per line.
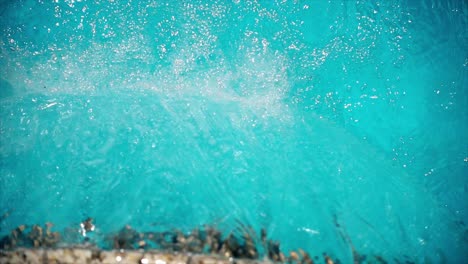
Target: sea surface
{"x":310,"y":119}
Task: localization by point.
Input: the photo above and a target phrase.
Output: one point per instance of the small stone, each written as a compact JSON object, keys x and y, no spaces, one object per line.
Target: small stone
{"x":141,"y":244}
{"x":294,"y":255}
{"x":36,"y":243}
{"x":87,"y":226}
{"x":328,"y":260}
{"x":305,"y":257}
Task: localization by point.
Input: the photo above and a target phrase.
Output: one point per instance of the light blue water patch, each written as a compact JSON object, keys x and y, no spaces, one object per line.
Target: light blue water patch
{"x":278,"y":114}
{"x":139,"y":159}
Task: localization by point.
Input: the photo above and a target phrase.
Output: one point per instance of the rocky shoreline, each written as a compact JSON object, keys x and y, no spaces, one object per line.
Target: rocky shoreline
{"x":207,"y":244}
{"x":203,"y":245}
{"x":95,"y":256}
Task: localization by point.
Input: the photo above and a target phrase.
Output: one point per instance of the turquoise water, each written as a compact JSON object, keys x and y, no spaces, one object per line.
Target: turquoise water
{"x":275,"y":114}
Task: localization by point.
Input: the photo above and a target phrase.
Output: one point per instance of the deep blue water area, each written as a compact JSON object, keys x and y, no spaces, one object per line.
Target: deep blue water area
{"x":284,"y":115}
